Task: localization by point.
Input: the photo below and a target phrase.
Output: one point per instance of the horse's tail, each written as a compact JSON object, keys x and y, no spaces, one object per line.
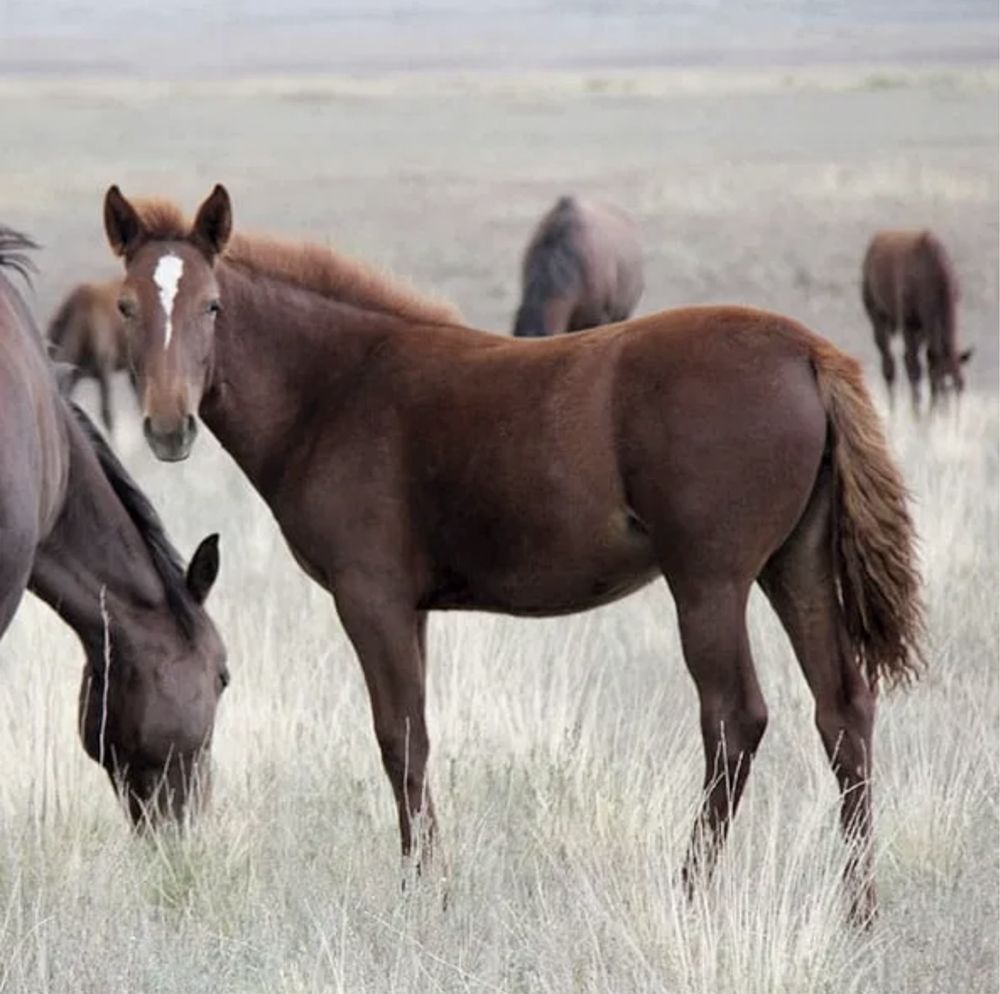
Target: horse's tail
{"x":873,"y":535}
{"x":59,"y":325}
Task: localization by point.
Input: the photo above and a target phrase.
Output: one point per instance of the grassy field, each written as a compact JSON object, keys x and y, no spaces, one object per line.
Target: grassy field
{"x":566,"y":758}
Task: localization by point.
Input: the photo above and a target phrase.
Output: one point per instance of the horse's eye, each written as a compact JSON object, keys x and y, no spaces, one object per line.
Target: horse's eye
{"x":213,"y":307}
{"x":126,"y":308}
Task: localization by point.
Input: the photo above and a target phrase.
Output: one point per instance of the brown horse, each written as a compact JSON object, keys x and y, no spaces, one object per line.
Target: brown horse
{"x":417,"y":465}
{"x":908,"y":282}
{"x":76,"y":531}
{"x":88,"y":334}
{"x":582,"y":268}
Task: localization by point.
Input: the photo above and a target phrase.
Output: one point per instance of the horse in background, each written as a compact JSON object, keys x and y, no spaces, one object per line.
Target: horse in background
{"x":909,"y":283}
{"x":76,"y":531}
{"x":582,"y":268}
{"x":88,"y":334}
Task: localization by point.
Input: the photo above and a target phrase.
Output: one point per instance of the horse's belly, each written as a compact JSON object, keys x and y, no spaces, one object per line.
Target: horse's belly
{"x":551,"y":580}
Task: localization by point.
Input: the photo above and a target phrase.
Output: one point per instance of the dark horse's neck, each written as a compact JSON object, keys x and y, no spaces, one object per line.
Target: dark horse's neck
{"x":94,"y":568}
{"x":282,"y":352}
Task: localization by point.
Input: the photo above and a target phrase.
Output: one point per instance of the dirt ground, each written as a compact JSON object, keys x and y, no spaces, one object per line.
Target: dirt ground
{"x":758,"y":187}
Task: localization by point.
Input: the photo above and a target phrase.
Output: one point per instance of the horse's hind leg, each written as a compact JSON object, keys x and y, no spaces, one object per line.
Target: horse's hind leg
{"x":799,"y":582}
{"x":733,"y":714}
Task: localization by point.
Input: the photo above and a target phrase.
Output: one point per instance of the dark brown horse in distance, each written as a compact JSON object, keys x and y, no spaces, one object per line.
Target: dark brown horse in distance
{"x":417,"y":465}
{"x":88,"y":334}
{"x":76,"y":531}
{"x":908,"y":283}
{"x":582,"y":268}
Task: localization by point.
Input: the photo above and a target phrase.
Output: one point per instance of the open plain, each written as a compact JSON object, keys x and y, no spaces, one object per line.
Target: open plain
{"x":566,"y":757}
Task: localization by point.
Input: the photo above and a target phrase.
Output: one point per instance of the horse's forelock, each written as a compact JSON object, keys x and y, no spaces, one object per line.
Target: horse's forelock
{"x":162,"y":219}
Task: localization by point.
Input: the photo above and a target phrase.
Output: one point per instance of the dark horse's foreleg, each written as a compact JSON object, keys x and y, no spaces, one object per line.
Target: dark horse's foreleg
{"x":104,"y":385}
{"x":799,"y":582}
{"x":388,"y":636}
{"x":733,"y":714}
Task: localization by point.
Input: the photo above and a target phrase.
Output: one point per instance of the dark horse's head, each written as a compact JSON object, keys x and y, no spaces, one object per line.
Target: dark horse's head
{"x":169,"y":300}
{"x":154,"y":673}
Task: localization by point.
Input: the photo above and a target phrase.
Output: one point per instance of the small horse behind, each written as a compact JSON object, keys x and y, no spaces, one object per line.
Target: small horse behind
{"x":88,"y":333}
{"x":908,"y":283}
{"x":582,"y":268}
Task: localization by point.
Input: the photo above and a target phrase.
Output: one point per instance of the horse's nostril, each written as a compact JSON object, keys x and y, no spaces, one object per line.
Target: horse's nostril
{"x":147,"y":426}
{"x":189,"y":425}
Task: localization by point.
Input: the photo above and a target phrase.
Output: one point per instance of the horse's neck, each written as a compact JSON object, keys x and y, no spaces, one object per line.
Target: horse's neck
{"x":280,"y":352}
{"x":93,"y":568}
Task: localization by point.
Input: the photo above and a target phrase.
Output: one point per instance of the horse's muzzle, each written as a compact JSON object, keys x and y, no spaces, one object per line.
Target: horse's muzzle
{"x":171,"y":445}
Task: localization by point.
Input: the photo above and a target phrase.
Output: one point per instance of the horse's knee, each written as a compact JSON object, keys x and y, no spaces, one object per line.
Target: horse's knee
{"x":404,"y":752}
{"x":737,"y":728}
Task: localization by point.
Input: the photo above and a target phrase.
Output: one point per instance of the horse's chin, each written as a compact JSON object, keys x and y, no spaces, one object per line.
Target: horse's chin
{"x":157,"y":796}
{"x":173,"y":445}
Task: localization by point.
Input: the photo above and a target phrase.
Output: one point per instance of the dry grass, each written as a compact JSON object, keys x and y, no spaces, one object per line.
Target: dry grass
{"x":566,"y":766}
{"x":566,"y":757}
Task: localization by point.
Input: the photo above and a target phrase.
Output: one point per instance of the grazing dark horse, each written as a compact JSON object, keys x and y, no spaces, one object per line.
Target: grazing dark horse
{"x":76,"y":531}
{"x":582,"y":268}
{"x":908,"y":282}
{"x":88,"y":334}
{"x":416,"y":465}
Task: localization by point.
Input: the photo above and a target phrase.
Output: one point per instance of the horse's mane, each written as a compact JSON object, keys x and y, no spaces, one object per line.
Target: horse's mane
{"x":14,"y":249}
{"x":313,"y":267}
{"x":165,"y":558}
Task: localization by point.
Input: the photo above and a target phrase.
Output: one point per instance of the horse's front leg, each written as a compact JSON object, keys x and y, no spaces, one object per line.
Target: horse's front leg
{"x":387,"y":633}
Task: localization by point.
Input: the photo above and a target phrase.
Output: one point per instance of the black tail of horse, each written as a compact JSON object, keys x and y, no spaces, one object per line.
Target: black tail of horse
{"x":553,"y":268}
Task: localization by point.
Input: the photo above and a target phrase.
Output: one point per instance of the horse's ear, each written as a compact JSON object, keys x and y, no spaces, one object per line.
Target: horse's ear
{"x":122,"y":223}
{"x":964,"y":357}
{"x":214,"y":222}
{"x":203,"y":568}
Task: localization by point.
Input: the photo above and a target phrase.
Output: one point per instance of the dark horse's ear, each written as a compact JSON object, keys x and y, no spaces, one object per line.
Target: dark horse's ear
{"x":214,"y":222}
{"x":122,"y":223}
{"x":964,"y":357}
{"x":203,"y":568}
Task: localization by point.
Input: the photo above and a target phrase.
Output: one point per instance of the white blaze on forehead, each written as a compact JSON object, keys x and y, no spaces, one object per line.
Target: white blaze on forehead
{"x":167,"y":276}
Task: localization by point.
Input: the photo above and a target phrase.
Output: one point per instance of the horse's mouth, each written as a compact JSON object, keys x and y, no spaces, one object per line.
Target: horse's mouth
{"x":156,"y":795}
{"x":171,"y":446}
